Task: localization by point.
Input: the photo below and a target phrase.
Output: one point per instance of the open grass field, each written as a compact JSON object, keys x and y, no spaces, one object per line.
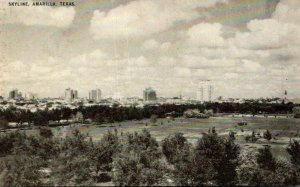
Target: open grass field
{"x":282,"y":129}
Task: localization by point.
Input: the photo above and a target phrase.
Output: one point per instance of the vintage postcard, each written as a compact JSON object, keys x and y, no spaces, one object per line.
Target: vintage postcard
{"x":149,"y":92}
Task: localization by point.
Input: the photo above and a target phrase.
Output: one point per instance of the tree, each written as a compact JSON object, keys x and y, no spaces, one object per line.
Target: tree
{"x":179,"y":153}
{"x":185,"y":173}
{"x":79,"y":117}
{"x":267,"y":135}
{"x":153,"y":118}
{"x":4,"y":124}
{"x":251,"y":138}
{"x":263,"y":169}
{"x":22,"y":170}
{"x":265,"y":159}
{"x":172,"y":145}
{"x":9,"y":141}
{"x":296,"y":111}
{"x":220,"y":158}
{"x":139,"y":163}
{"x":66,"y":113}
{"x":226,"y":169}
{"x":209,"y":112}
{"x":103,"y":153}
{"x":73,"y":165}
{"x":232,"y":135}
{"x":294,"y":150}
{"x":213,"y":130}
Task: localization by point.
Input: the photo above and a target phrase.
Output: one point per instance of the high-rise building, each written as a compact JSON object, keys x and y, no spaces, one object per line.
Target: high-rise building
{"x":15,"y":94}
{"x":95,"y":95}
{"x":149,"y":94}
{"x":75,"y":94}
{"x":68,"y":94}
{"x":205,"y":91}
{"x":71,"y":94}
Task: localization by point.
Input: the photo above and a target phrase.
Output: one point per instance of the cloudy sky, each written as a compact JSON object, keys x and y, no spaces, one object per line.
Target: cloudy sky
{"x":247,"y":48}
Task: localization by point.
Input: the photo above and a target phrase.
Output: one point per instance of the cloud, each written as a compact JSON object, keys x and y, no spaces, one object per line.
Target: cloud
{"x":40,"y":15}
{"x":150,"y":44}
{"x":266,"y":34}
{"x":251,"y":66}
{"x":280,"y":31}
{"x":206,"y":35}
{"x":288,"y":11}
{"x":198,"y":61}
{"x":170,"y":47}
{"x":141,"y":18}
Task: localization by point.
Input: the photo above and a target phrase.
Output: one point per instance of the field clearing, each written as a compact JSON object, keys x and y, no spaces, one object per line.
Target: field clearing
{"x":283,"y":129}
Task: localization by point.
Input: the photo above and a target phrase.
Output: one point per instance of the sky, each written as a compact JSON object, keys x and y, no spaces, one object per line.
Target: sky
{"x":247,"y":48}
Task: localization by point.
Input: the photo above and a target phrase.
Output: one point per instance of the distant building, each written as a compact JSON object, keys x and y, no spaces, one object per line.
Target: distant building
{"x":149,"y":94}
{"x":205,"y":91}
{"x":285,"y":98}
{"x":15,"y":94}
{"x":71,"y":94}
{"x":75,"y":94}
{"x":95,"y":95}
{"x":30,"y":96}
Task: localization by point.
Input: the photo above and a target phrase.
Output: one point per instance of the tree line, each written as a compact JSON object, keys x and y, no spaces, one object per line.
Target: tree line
{"x":138,"y":160}
{"x":106,"y":114}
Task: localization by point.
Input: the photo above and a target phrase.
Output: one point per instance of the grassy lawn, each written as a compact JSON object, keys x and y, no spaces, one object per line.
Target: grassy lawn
{"x":282,"y":129}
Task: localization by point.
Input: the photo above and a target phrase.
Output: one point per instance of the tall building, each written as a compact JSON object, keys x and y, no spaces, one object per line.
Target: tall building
{"x":95,"y":95}
{"x":75,"y":94}
{"x":205,"y":91}
{"x":149,"y":94}
{"x":15,"y":94}
{"x":71,"y":94}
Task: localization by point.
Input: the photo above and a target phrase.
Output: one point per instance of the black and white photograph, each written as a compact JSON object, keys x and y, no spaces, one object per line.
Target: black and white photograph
{"x":149,"y":93}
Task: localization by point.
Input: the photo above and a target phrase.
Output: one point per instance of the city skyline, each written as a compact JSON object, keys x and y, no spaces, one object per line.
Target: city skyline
{"x":248,"y":48}
{"x":203,"y":94}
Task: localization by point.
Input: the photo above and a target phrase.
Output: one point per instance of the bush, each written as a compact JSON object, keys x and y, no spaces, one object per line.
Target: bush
{"x":46,"y":132}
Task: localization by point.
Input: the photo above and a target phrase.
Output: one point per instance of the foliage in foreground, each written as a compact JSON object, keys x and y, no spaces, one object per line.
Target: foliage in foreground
{"x":140,"y":160}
